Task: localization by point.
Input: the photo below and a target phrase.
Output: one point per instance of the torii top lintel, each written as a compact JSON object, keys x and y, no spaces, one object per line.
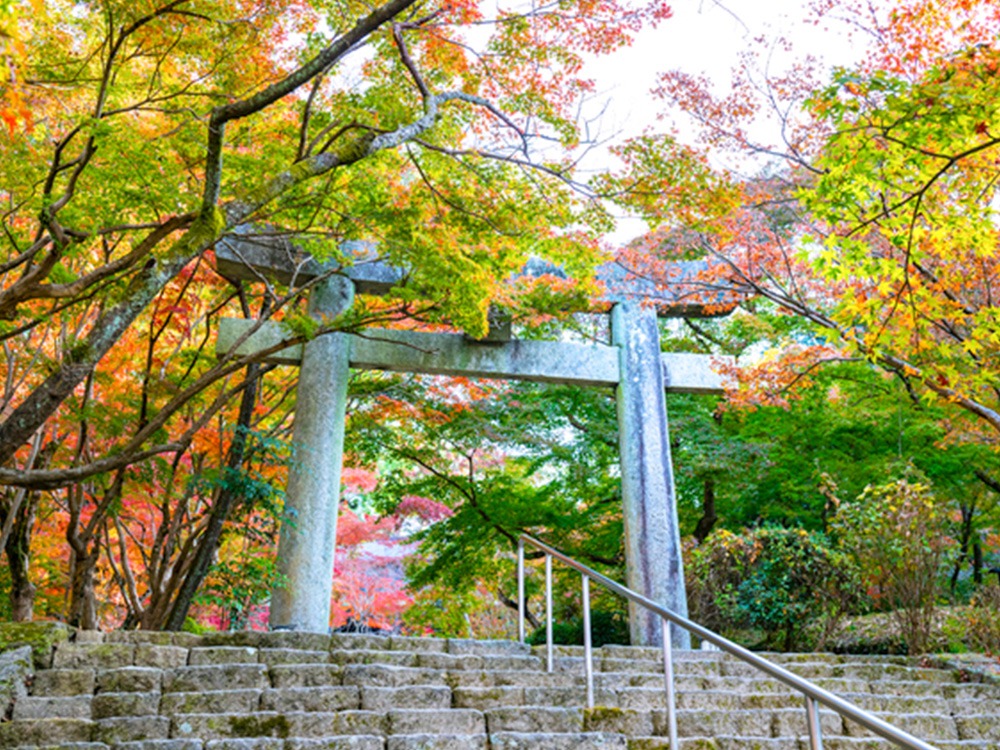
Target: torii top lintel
{"x":251,"y":256}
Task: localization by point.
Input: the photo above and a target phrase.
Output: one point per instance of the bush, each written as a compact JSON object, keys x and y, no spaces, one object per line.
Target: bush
{"x":605,"y":627}
{"x":984,"y":619}
{"x":896,"y":533}
{"x":780,"y":581}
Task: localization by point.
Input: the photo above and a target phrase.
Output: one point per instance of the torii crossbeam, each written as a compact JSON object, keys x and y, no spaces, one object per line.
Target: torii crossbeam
{"x":633,"y":365}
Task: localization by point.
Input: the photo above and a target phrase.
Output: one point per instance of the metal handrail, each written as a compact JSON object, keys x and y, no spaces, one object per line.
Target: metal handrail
{"x":814,"y":695}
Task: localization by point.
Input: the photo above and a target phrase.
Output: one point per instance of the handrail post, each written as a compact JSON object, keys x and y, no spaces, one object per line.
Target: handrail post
{"x":520,"y":590}
{"x":812,"y":718}
{"x":668,"y":677}
{"x":588,"y":649}
{"x":548,"y":613}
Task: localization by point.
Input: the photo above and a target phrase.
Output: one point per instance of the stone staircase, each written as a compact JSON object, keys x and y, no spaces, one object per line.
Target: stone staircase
{"x":300,"y":691}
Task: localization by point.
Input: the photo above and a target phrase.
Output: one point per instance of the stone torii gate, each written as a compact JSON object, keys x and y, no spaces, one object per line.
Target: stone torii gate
{"x":632,"y":364}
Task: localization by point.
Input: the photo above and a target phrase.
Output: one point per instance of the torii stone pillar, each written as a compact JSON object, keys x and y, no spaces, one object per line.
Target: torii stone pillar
{"x":652,"y":534}
{"x":308,"y":538}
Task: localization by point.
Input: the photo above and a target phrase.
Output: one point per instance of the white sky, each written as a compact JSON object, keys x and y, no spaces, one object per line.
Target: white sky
{"x":702,"y":37}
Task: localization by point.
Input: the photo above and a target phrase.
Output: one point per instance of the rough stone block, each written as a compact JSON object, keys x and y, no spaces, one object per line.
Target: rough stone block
{"x":512,"y":661}
{"x":275,"y":656}
{"x":410,"y":696}
{"x":552,"y":741}
{"x":324,"y":699}
{"x":43,"y":732}
{"x":436,"y":742}
{"x":360,"y":641}
{"x":422,"y":645}
{"x":441,"y":660}
{"x":131,"y":729}
{"x":305,"y":675}
{"x":15,"y":669}
{"x":487,"y":648}
{"x":216,"y":677}
{"x":96,"y":655}
{"x":185,"y":640}
{"x":928,"y":727}
{"x":534,"y":719}
{"x":641,"y":653}
{"x":695,"y":723}
{"x":482,"y":698}
{"x":629,"y":665}
{"x":108,"y":705}
{"x":43,"y":707}
{"x":567,"y":696}
{"x":160,"y":745}
{"x":349,"y":742}
{"x":311,"y":724}
{"x":145,"y":637}
{"x":792,"y":722}
{"x":373,"y":656}
{"x":385,"y":675}
{"x":211,"y":655}
{"x":978,"y":728}
{"x":88,"y":636}
{"x":759,"y":743}
{"x":432,"y":721}
{"x":40,"y":636}
{"x":56,"y":682}
{"x":130,"y":679}
{"x":231,"y":725}
{"x":160,"y":657}
{"x":617,"y":720}
{"x":210,"y":702}
{"x":246,"y":743}
{"x":526,"y":679}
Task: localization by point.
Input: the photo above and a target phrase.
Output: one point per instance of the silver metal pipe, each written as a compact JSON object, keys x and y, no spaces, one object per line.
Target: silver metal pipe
{"x":588,"y":649}
{"x":520,"y":589}
{"x":818,"y":694}
{"x":548,"y":614}
{"x":668,"y":678}
{"x":812,"y":718}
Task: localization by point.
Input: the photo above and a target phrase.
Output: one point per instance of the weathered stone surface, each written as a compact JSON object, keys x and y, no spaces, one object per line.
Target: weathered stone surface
{"x":359,"y":641}
{"x":314,"y":724}
{"x":482,"y":698}
{"x":145,"y":637}
{"x":437,"y":742}
{"x":792,"y":722}
{"x":210,"y":702}
{"x":695,"y":723}
{"x":487,"y":648}
{"x":384,"y":675}
{"x":96,"y":655}
{"x":160,"y":657}
{"x":511,"y":661}
{"x":209,"y":655}
{"x":366,"y":656}
{"x":231,"y":725}
{"x":534,"y":719}
{"x":273,"y":656}
{"x":349,"y":742}
{"x":44,"y":732}
{"x":107,"y":705}
{"x":411,"y":696}
{"x":567,"y":696}
{"x":978,"y":728}
{"x":305,"y":675}
{"x":130,"y":679}
{"x":88,"y":636}
{"x":15,"y":667}
{"x":160,"y":745}
{"x":326,"y":699}
{"x":216,"y":677}
{"x":654,"y":567}
{"x":40,"y":636}
{"x":131,"y":729}
{"x":561,"y":741}
{"x":617,"y":720}
{"x":423,"y":645}
{"x":429,"y":721}
{"x":56,"y":682}
{"x":44,"y":707}
{"x":449,"y":661}
{"x":246,"y":743}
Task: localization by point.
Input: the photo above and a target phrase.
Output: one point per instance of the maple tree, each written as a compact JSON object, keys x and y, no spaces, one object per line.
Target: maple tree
{"x":873,"y":219}
{"x":137,"y":134}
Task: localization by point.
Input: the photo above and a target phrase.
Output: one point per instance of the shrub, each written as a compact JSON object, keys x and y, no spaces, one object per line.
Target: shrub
{"x":896,"y":533}
{"x":605,"y":627}
{"x":777,"y":580}
{"x":984,"y":619}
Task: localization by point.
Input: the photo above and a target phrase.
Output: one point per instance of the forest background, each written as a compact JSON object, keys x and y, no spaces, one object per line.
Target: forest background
{"x":852,"y":468}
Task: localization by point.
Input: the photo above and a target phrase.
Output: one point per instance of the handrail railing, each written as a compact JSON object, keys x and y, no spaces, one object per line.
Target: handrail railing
{"x":814,"y":695}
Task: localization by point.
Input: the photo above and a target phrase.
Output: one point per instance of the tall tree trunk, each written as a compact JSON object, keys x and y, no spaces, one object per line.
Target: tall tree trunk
{"x":208,"y":545}
{"x":968,"y":511}
{"x":708,"y":517}
{"x":82,"y":600}
{"x":18,"y":549}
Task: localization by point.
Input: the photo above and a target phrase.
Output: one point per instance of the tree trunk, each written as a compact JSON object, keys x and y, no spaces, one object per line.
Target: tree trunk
{"x":708,"y":517}
{"x":977,"y":562}
{"x":82,"y":601}
{"x":208,"y":545}
{"x":18,"y":550}
{"x":967,"y":514}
